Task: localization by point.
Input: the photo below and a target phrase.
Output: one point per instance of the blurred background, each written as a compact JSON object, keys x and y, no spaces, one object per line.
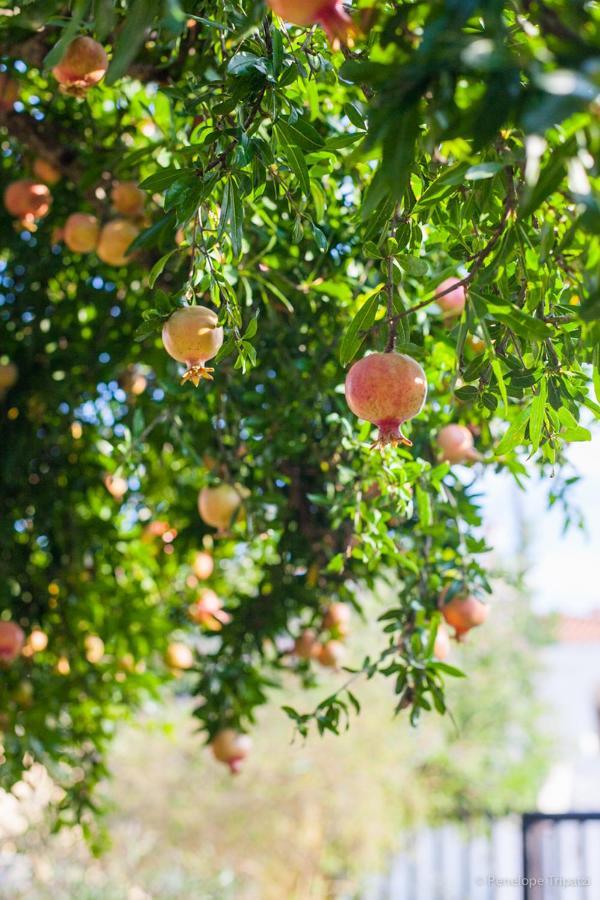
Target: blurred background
{"x":384,"y":811}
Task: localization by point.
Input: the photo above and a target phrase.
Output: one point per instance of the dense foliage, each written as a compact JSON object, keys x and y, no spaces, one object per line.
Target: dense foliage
{"x":315,"y":198}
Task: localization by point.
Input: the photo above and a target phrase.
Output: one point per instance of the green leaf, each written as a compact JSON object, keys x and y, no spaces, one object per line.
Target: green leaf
{"x":232,"y":215}
{"x":515,"y":432}
{"x":159,"y":266}
{"x":483,"y":170}
{"x":140,"y":16}
{"x":295,"y":159}
{"x":362,"y":321}
{"x":54,"y":56}
{"x":538,"y":410}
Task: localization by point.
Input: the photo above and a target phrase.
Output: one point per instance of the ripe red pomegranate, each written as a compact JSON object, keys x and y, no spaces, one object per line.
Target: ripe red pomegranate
{"x":463,"y":612}
{"x":9,"y":91}
{"x":208,"y":611}
{"x":192,"y":336}
{"x":231,"y":747}
{"x":83,"y":65}
{"x":330,"y":654}
{"x":306,"y":645}
{"x":12,"y":639}
{"x":81,"y":232}
{"x":217,"y":505}
{"x":329,"y":14}
{"x":337,"y":619}
{"x":203,"y":565}
{"x":456,"y":444}
{"x":386,"y":389}
{"x":115,"y":239}
{"x":45,"y":171}
{"x":27,"y":200}
{"x":452,"y":303}
{"x":128,"y":199}
{"x":441,"y":647}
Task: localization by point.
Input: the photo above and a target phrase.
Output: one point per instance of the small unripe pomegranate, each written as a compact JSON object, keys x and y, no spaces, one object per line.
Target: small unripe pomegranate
{"x":128,"y":199}
{"x":203,"y":565}
{"x":63,"y":666}
{"x":12,"y":639}
{"x":45,"y":171}
{"x":94,"y":648}
{"x":116,"y":486}
{"x":126,"y":663}
{"x":330,"y":654}
{"x":386,"y":389}
{"x":192,"y":336}
{"x":306,"y":646}
{"x":329,"y":14}
{"x":83,"y":65}
{"x":115,"y":239}
{"x":179,"y":656}
{"x":208,"y":611}
{"x":8,"y":377}
{"x":476,"y":343}
{"x":37,"y":640}
{"x":456,"y":444}
{"x":453,"y":302}
{"x":463,"y":612}
{"x":337,"y":619}
{"x":441,"y":647}
{"x":81,"y":232}
{"x":9,"y":91}
{"x":27,"y":200}
{"x":218,"y":505}
{"x":231,"y":747}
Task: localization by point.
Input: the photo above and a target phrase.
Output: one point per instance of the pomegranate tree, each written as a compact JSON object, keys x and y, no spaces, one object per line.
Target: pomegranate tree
{"x":453,"y":302}
{"x":386,"y":389}
{"x":208,"y":611}
{"x":463,"y":612}
{"x":218,"y":505}
{"x":81,"y":232}
{"x":115,"y":239}
{"x":12,"y":639}
{"x":25,"y":199}
{"x":456,"y":444}
{"x":329,"y":14}
{"x":128,"y":199}
{"x":83,"y":65}
{"x":192,"y":336}
{"x":231,"y":747}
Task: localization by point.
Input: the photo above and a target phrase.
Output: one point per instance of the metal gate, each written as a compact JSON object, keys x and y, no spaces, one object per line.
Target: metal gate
{"x":560,"y":856}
